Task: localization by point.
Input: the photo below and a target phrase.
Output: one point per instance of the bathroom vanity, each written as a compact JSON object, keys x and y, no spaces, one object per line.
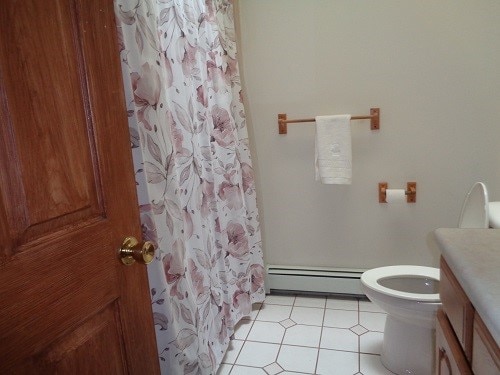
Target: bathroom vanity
{"x":468,"y":325}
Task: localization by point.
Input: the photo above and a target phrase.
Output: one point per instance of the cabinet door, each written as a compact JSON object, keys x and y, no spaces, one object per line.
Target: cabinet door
{"x":457,"y":307}
{"x":450,"y":359}
{"x":485,"y":351}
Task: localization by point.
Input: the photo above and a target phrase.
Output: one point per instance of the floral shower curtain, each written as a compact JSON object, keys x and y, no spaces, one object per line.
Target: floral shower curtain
{"x":194,"y":174}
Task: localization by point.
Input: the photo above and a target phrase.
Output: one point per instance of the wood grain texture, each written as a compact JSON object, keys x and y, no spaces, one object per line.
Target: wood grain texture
{"x":67,"y":197}
{"x":450,"y":358}
{"x":485,"y":350}
{"x":51,"y":102}
{"x":457,"y":306}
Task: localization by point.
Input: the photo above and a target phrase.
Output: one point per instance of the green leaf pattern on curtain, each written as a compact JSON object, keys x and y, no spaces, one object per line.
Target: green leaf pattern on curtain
{"x":194,"y":174}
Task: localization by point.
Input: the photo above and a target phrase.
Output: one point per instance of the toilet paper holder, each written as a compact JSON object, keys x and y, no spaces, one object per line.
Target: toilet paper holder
{"x":410,"y":192}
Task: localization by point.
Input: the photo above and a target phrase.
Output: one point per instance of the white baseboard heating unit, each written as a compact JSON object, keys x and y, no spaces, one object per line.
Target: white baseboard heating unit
{"x":313,"y":280}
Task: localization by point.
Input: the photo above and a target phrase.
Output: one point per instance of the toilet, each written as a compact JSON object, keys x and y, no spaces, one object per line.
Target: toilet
{"x":410,"y":297}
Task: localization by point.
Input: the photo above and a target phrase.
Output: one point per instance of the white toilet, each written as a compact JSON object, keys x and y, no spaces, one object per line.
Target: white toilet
{"x":410,"y":296}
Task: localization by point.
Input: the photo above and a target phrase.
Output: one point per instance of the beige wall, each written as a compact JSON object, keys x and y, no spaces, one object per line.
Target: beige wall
{"x":433,"y":69}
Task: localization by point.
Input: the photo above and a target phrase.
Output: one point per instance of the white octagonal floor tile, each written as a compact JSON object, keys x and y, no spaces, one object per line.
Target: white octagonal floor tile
{"x":298,"y":358}
{"x":266,"y":332}
{"x":257,"y":354}
{"x":307,"y":315}
{"x":303,"y":335}
{"x":310,"y":302}
{"x":339,"y":339}
{"x":243,"y":370}
{"x":274,"y":313}
{"x":332,"y":362}
{"x":340,"y":318}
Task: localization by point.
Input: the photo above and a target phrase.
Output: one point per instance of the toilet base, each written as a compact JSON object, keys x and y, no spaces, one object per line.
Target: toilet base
{"x":407,"y":348}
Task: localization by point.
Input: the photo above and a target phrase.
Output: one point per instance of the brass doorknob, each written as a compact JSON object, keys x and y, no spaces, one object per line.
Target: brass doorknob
{"x":133,"y":250}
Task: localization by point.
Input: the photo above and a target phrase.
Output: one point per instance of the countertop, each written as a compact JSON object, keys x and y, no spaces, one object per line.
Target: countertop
{"x":474,"y":257}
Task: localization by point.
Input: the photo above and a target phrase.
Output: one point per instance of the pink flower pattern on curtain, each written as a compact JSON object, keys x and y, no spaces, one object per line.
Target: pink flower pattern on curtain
{"x":194,"y":174}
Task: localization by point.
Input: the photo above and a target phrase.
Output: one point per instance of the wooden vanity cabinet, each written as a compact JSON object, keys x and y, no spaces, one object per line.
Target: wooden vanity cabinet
{"x":450,"y":358}
{"x":486,"y":354}
{"x":463,"y":343}
{"x":458,"y":308}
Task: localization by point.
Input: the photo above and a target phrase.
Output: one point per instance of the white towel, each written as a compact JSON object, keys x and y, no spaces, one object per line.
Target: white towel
{"x":333,"y":153}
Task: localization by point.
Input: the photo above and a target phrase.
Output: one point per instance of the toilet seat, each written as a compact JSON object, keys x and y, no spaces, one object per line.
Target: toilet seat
{"x":371,"y":278}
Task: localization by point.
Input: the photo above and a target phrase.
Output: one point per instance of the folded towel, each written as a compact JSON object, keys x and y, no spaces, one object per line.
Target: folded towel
{"x":333,"y":149}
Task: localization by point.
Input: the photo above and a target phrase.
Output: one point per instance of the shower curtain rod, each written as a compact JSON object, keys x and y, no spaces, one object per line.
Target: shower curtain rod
{"x":374,"y":123}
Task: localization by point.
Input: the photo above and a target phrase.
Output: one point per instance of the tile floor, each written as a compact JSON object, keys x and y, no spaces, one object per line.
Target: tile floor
{"x":308,"y":335}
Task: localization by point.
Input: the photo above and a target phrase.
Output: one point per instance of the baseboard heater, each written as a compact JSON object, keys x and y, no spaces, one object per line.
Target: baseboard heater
{"x":321,"y":280}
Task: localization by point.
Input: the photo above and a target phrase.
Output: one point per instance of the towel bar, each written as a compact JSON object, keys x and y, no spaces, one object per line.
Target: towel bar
{"x":374,"y":120}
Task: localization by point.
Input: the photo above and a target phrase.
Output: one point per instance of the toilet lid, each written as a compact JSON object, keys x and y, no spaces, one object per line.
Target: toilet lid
{"x":371,"y":279}
{"x":475,"y":208}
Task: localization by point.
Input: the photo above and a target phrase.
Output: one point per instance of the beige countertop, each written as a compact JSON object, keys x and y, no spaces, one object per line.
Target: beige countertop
{"x":474,"y":257}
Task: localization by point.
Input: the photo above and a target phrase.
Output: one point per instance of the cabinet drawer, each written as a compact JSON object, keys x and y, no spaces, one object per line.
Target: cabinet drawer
{"x":450,"y":358}
{"x":485,"y":351}
{"x":457,"y":307}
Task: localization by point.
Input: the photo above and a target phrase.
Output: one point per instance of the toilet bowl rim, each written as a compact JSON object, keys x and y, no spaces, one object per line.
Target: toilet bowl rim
{"x":370,"y":279}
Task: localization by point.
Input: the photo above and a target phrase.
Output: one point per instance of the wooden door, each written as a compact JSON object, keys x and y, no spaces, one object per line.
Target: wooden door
{"x":67,"y":197}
